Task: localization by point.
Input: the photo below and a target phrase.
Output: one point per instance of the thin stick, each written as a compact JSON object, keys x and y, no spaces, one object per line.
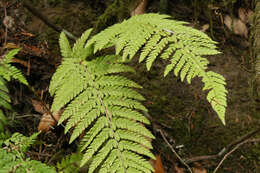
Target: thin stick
{"x":225,"y":149}
{"x":234,"y":149}
{"x":182,"y":161}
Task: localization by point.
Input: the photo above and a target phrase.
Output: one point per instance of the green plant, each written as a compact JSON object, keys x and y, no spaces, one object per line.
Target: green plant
{"x":70,"y":163}
{"x":99,"y":100}
{"x":12,"y":154}
{"x":159,"y":37}
{"x":7,"y":72}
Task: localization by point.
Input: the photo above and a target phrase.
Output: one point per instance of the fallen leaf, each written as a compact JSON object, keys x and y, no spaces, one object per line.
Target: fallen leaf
{"x":244,"y":14}
{"x":158,"y":166}
{"x":11,"y":46}
{"x":27,"y":34}
{"x":205,"y":27}
{"x":38,"y":107}
{"x":197,"y":168}
{"x":140,"y":8}
{"x":236,"y":26}
{"x":47,"y":122}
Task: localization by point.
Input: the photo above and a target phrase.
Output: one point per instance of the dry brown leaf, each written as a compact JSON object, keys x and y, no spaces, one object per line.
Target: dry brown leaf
{"x":47,"y":121}
{"x":157,"y":164}
{"x":205,"y":27}
{"x":236,"y":26}
{"x":140,"y":8}
{"x":244,"y":14}
{"x":38,"y":107}
{"x":11,"y":46}
{"x":22,"y":62}
{"x":198,"y":168}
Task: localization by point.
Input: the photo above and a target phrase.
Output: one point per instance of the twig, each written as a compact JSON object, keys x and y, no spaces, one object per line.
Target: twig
{"x":224,"y":150}
{"x":182,"y":161}
{"x":46,"y":21}
{"x":246,"y":136}
{"x":234,"y":149}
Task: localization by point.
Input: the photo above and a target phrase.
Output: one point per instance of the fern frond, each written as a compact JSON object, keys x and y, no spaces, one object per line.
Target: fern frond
{"x":4,"y":97}
{"x":69,"y":163}
{"x":4,"y":103}
{"x":7,"y":72}
{"x":157,"y":36}
{"x":101,"y":102}
{"x":13,"y":159}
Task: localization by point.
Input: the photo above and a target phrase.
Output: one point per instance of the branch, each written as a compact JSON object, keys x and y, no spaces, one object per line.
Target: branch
{"x":239,"y":141}
{"x":182,"y":161}
{"x":234,"y":149}
{"x":46,"y":21}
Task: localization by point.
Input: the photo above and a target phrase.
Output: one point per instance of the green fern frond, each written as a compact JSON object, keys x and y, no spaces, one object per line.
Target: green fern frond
{"x":101,"y":102}
{"x":21,"y":142}
{"x":69,"y":163}
{"x":157,"y":36}
{"x":4,"y":97}
{"x":13,"y":159}
{"x":4,"y":103}
{"x":7,"y":72}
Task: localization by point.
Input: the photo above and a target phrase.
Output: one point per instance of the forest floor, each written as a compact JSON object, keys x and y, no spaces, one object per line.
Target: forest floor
{"x":178,"y":110}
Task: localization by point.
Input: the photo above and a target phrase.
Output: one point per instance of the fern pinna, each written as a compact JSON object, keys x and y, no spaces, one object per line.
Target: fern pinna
{"x":157,"y":36}
{"x":7,"y":72}
{"x":97,"y":99}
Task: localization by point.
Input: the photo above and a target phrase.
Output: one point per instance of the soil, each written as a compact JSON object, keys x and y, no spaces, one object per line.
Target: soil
{"x":180,"y":111}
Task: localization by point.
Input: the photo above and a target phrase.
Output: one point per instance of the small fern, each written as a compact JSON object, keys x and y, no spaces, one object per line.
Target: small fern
{"x":97,"y":99}
{"x":70,"y":163}
{"x":13,"y":159}
{"x":157,"y":36}
{"x":7,"y":72}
